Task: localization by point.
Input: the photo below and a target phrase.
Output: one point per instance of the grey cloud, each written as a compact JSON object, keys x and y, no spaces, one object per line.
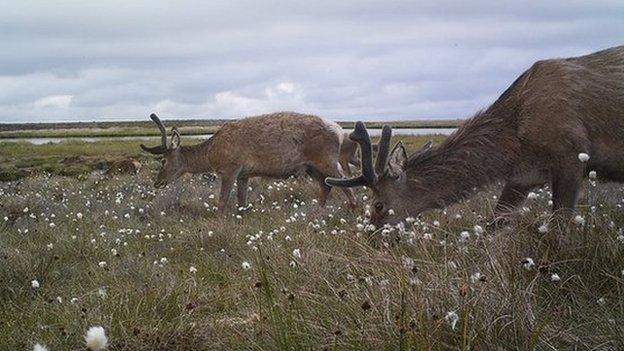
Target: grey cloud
{"x":344,"y":59}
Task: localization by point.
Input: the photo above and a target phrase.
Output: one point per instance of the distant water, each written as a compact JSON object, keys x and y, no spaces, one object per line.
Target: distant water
{"x":372,"y":132}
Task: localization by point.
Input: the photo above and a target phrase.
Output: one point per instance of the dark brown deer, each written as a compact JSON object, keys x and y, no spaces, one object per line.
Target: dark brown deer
{"x":533,"y":134}
{"x":276,"y":145}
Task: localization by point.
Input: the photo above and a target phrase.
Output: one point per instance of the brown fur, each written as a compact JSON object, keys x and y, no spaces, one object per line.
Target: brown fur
{"x":274,"y":145}
{"x":125,"y":166}
{"x":531,"y":135}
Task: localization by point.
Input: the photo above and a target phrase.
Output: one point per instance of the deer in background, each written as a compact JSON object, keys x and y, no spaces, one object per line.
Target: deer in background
{"x":349,"y":154}
{"x":531,"y":135}
{"x":275,"y":145}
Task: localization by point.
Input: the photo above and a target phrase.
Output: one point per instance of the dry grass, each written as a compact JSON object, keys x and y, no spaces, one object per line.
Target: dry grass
{"x":345,"y":291}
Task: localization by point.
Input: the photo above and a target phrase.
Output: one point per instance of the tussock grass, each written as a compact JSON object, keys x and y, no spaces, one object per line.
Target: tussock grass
{"x":347,"y":290}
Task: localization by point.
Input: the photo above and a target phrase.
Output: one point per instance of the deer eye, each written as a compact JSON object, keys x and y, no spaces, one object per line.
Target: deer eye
{"x":378,"y":206}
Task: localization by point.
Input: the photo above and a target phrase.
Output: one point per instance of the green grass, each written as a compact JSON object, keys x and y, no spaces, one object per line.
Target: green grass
{"x":345,"y":291}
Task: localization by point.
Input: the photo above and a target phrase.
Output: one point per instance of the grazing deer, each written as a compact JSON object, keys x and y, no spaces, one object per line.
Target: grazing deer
{"x":531,"y":135}
{"x":276,"y":145}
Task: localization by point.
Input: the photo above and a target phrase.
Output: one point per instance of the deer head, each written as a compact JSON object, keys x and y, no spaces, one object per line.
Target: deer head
{"x":395,"y":197}
{"x":173,"y":162}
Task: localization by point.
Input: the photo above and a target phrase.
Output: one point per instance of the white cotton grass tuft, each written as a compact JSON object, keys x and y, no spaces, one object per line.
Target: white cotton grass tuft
{"x":39,"y":347}
{"x":578,"y":219}
{"x":555,"y":278}
{"x":296,"y":253}
{"x":583,"y":157}
{"x":593,"y":175}
{"x":96,"y":339}
{"x":35,"y":284}
{"x":451,"y":318}
{"x":528,"y":263}
{"x":543,"y":229}
{"x":246,"y":265}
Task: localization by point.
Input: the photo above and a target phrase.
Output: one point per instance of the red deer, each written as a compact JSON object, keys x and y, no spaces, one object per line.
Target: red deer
{"x":275,"y":145}
{"x":533,"y":134}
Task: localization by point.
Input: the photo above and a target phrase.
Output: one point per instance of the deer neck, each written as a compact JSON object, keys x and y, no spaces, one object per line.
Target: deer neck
{"x":196,"y":158}
{"x":484,"y":150}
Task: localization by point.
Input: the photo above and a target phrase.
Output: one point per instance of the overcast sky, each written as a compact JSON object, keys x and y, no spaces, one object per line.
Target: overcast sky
{"x":108,"y":60}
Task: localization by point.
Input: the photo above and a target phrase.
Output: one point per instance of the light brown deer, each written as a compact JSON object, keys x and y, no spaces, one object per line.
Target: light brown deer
{"x":275,"y":145}
{"x":349,"y":154}
{"x":531,"y":135}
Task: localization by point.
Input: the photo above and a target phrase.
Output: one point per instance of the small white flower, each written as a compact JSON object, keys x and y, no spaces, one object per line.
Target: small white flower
{"x":292,"y":264}
{"x":296,"y":253}
{"x":593,"y":175}
{"x":246,"y":265}
{"x":114,"y":251}
{"x":96,"y":339}
{"x":35,"y":284}
{"x":475,"y":278}
{"x":555,"y":278}
{"x":163,"y":260}
{"x":451,"y":318}
{"x":578,"y":219}
{"x":102,"y":292}
{"x":391,"y":212}
{"x":74,"y":300}
{"x":583,"y":157}
{"x":478,"y":229}
{"x":102,"y":264}
{"x":193,"y":270}
{"x":59,"y":299}
{"x":543,"y":228}
{"x":39,"y":347}
{"x":532,"y":196}
{"x":528,"y":263}
{"x":79,"y":215}
{"x":601,"y":301}
{"x":465,"y":235}
{"x":25,"y":210}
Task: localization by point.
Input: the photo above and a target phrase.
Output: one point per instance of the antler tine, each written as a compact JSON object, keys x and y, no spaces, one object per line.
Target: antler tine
{"x":368,"y":176}
{"x":384,"y":149}
{"x":161,"y":126}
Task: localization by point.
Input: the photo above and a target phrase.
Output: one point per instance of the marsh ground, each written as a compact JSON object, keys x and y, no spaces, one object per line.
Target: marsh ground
{"x":160,"y":271}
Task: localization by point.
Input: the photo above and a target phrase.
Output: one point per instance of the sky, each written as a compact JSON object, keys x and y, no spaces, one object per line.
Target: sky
{"x":344,"y":60}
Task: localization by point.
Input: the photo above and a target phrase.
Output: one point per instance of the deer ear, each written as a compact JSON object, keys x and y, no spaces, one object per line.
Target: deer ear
{"x":397,"y":159}
{"x":175,"y":138}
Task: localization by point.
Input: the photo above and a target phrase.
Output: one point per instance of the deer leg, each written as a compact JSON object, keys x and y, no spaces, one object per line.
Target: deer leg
{"x":324,"y":188}
{"x":566,"y":182}
{"x":242,"y":185}
{"x":512,"y":196}
{"x":344,"y":163}
{"x":333,"y":169}
{"x":227,"y":181}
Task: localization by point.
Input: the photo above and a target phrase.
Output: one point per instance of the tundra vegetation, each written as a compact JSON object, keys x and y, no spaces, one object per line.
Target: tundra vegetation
{"x":159,"y":270}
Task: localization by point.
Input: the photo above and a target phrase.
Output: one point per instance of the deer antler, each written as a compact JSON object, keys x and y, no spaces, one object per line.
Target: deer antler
{"x":384,"y":149}
{"x":368,"y":176}
{"x":163,"y":138}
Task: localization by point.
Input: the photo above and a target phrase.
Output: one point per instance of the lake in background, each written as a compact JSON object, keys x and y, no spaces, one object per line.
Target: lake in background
{"x":372,"y":132}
